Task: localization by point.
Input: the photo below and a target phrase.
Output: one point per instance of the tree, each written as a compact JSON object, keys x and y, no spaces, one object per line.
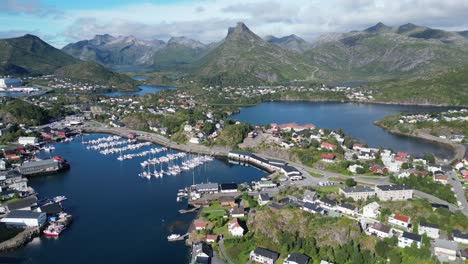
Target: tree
{"x":350,"y":182}
{"x":395,"y":257}
{"x":382,"y":249}
{"x":405,"y":166}
{"x":429,"y":157}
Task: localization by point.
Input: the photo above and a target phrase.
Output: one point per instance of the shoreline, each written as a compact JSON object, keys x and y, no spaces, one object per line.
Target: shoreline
{"x":458,"y":150}
{"x":20,"y":240}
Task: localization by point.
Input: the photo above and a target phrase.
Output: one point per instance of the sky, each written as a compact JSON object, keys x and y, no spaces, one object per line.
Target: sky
{"x":60,"y":22}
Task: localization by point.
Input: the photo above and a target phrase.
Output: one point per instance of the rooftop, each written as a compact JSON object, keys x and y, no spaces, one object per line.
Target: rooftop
{"x":266,"y":253}
{"x":412,"y":236}
{"x":357,"y":189}
{"x":23,"y":214}
{"x":394,"y":187}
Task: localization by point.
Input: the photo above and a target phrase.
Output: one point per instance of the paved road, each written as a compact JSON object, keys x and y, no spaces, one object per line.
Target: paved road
{"x":223,"y":251}
{"x":459,"y":192}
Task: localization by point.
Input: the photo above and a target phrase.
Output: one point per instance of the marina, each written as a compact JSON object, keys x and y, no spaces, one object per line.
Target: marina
{"x":111,"y":191}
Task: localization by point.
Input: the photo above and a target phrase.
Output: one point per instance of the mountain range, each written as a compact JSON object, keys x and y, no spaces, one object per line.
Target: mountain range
{"x":31,"y":56}
{"x":376,"y":53}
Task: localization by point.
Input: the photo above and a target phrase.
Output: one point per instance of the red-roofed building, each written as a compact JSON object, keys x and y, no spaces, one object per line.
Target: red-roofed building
{"x":441,"y":178}
{"x":399,"y":220}
{"x":211,"y":238}
{"x":327,"y":157}
{"x":328,"y":146}
{"x":200,"y":225}
{"x":402,"y":155}
{"x":378,"y":169}
{"x":464,"y":174}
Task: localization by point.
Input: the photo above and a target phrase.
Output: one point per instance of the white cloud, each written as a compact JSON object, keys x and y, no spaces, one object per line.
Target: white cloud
{"x":208,"y":20}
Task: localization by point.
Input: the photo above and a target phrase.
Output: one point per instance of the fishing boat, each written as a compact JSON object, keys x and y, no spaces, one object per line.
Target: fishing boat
{"x":54,"y":230}
{"x":59,"y":199}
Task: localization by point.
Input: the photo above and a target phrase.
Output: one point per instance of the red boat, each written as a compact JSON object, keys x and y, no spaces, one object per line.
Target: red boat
{"x":53,"y":230}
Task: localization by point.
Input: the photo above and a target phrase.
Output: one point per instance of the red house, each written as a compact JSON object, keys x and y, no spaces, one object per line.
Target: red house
{"x":327,"y":157}
{"x":378,"y":169}
{"x":328,"y":146}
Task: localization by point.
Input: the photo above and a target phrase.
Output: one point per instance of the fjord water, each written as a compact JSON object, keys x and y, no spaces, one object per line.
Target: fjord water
{"x":144,"y":89}
{"x":118,"y":216}
{"x":355,"y":119}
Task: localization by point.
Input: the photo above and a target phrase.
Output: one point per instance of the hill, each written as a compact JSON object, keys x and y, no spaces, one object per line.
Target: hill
{"x":92,"y":72}
{"x":179,"y":54}
{"x":30,"y":55}
{"x":245,"y":58}
{"x":383,"y":52}
{"x":109,"y":50}
{"x":448,"y":88}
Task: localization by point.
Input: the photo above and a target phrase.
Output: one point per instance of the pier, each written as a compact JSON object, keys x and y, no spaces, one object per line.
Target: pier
{"x":185,"y":211}
{"x":182,"y":237}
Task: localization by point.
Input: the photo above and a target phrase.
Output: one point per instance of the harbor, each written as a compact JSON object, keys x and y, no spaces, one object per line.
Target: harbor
{"x":111,"y":191}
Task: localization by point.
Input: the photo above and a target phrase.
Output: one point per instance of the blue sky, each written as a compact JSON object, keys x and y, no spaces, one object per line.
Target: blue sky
{"x":62,"y":21}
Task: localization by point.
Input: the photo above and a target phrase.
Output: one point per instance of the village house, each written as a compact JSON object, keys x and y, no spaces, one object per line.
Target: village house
{"x":459,"y":236}
{"x":296,"y":258}
{"x":347,"y":209}
{"x":327,"y":157}
{"x":3,"y":165}
{"x":211,"y":238}
{"x":263,"y":255}
{"x":263,"y":199}
{"x":228,"y":187}
{"x":400,"y":220}
{"x":379,"y":230}
{"x":309,"y":196}
{"x":371,"y":210}
{"x":201,"y":253}
{"x":353,"y":168}
{"x":439,"y":176}
{"x":237,"y":211}
{"x":327,"y":203}
{"x":445,"y":250}
{"x":200,"y":225}
{"x":431,"y":230}
{"x":27,"y":141}
{"x":407,"y":239}
{"x":235,"y":229}
{"x":291,"y":172}
{"x":266,"y":184}
{"x":393,"y":192}
{"x":313,"y":208}
{"x":357,"y":192}
{"x":328,"y":146}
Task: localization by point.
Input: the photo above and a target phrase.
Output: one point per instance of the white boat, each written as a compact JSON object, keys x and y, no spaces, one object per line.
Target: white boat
{"x":173,"y":237}
{"x":59,"y":199}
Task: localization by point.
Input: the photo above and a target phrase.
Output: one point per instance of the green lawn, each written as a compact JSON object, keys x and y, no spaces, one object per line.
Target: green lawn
{"x":329,"y":189}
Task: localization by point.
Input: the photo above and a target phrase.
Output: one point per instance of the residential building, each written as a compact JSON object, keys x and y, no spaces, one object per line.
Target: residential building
{"x":202,"y":253}
{"x":357,"y":192}
{"x":371,"y":210}
{"x":313,"y":208}
{"x":460,"y":237}
{"x":347,"y":209}
{"x":200,"y":225}
{"x":296,"y":258}
{"x":27,"y":141}
{"x":327,"y":203}
{"x":399,"y":220}
{"x":431,"y":230}
{"x":393,"y":192}
{"x":439,"y":176}
{"x":24,"y":218}
{"x":235,"y":229}
{"x":266,"y":184}
{"x":327,"y":157}
{"x":380,"y":230}
{"x":445,"y":250}
{"x":290,"y":171}
{"x":2,"y":165}
{"x":263,"y":198}
{"x":328,"y":146}
{"x":264,"y":256}
{"x":237,"y":211}
{"x":309,"y":196}
{"x":407,"y":239}
{"x":24,"y":204}
{"x":211,"y":238}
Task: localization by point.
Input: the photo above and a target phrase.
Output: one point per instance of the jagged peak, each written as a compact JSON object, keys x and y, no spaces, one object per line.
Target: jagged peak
{"x":378,"y":28}
{"x":241,"y":31}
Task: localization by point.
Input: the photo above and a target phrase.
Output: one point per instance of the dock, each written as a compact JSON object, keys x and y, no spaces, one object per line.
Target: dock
{"x":185,"y":211}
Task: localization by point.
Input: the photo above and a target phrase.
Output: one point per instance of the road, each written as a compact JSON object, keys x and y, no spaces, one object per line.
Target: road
{"x":459,"y":192}
{"x":223,"y":251}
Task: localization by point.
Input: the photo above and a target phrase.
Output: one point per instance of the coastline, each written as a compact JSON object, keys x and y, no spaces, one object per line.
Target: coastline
{"x":21,"y":239}
{"x":458,"y":149}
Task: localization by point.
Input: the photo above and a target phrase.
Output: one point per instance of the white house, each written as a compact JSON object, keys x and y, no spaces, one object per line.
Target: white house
{"x":188,"y":128}
{"x":2,"y":164}
{"x":399,"y":220}
{"x":24,"y":218}
{"x":445,"y":250}
{"x":264,"y":256}
{"x":347,"y":209}
{"x":460,"y":237}
{"x":27,"y":141}
{"x":407,"y":239}
{"x":431,"y":230}
{"x":194,"y":140}
{"x":263,"y":198}
{"x":371,"y":210}
{"x":296,"y":258}
{"x":235,"y":229}
{"x":357,"y":192}
{"x":309,"y":196}
{"x":353,"y":168}
{"x":380,"y":230}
